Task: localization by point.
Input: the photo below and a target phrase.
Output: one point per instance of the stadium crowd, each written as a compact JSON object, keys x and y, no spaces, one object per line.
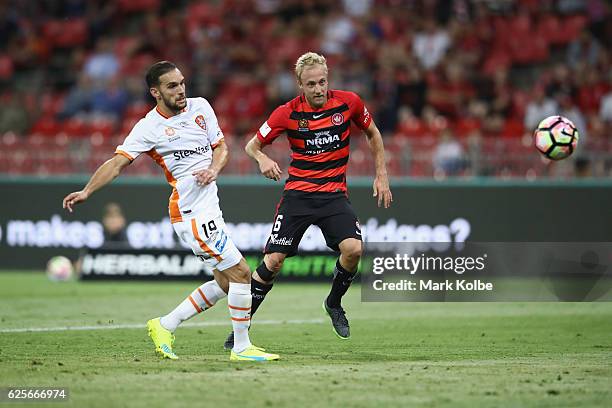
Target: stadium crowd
{"x":456,"y":86}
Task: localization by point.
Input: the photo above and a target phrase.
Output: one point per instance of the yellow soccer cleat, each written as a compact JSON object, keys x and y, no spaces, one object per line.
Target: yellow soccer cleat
{"x":253,"y":353}
{"x":162,"y":338}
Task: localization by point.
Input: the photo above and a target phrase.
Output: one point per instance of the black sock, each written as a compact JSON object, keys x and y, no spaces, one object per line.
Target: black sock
{"x":258,"y":291}
{"x":340,"y":284}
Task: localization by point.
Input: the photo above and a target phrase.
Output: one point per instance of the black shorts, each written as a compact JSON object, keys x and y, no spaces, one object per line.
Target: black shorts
{"x":298,"y":211}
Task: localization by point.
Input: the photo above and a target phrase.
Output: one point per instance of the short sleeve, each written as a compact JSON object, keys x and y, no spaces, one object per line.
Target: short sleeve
{"x":137,"y":142}
{"x":213,"y":131}
{"x":274,"y":126}
{"x":360,"y":114}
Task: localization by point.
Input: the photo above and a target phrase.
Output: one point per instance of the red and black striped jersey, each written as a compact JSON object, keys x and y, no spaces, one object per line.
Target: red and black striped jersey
{"x":319,"y":139}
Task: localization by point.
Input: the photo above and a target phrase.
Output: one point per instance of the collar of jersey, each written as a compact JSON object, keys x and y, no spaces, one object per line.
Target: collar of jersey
{"x":168,"y":117}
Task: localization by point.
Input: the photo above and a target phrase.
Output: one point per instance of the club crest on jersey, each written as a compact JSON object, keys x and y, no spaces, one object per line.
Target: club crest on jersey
{"x":201,"y":122}
{"x":303,"y":125}
{"x":337,"y":119}
{"x":169,"y":132}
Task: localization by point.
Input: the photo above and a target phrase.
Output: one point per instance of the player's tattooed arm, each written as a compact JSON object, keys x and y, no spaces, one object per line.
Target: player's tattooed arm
{"x":381,"y":183}
{"x":220,"y":158}
{"x":106,"y":173}
{"x":268,"y":167}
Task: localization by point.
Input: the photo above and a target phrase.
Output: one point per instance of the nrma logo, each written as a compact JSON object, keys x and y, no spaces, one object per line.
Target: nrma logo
{"x":322,"y":139}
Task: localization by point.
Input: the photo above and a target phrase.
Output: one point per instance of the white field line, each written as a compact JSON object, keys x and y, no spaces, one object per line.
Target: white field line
{"x":143,"y":325}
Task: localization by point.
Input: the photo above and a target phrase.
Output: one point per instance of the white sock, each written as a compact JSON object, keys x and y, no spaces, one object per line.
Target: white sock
{"x":239,"y":304}
{"x":200,"y":299}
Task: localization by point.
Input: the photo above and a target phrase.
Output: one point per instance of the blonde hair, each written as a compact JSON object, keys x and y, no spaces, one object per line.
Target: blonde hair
{"x":308,"y":60}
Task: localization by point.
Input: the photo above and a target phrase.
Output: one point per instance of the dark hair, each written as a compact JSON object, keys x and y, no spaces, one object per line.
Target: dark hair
{"x":156,"y":70}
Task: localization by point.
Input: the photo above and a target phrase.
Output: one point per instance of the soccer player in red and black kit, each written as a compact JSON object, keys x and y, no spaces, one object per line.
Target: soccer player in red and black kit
{"x":317,"y":124}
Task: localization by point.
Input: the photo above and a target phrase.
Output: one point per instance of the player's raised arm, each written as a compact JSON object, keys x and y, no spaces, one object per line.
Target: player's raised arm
{"x":106,"y":173}
{"x":381,"y":182}
{"x":267,"y":166}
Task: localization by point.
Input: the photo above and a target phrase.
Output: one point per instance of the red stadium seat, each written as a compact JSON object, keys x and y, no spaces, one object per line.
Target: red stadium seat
{"x":51,"y":103}
{"x":549,"y":27}
{"x":137,"y":110}
{"x":137,"y":65}
{"x":71,"y":33}
{"x":513,"y":128}
{"x":6,"y":67}
{"x":520,"y":25}
{"x":496,"y":61}
{"x":529,"y":49}
{"x":463,"y":127}
{"x":103,"y":127}
{"x":46,"y":126}
{"x":127,"y":125}
{"x":572,"y":26}
{"x":129,"y":6}
{"x":413,"y":127}
{"x":76,"y":128}
{"x":520,"y":99}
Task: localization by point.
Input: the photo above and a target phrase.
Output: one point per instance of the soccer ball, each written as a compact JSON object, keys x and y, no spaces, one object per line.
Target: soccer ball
{"x":59,"y":269}
{"x":556,"y":137}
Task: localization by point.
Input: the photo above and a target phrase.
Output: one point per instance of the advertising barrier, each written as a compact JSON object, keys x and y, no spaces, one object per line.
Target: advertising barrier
{"x":34,"y":227}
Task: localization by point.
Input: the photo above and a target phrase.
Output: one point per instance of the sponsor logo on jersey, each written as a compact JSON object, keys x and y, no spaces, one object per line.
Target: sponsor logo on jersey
{"x":366,"y":115}
{"x":181,"y":154}
{"x":337,"y":119}
{"x":201,"y":122}
{"x":284,"y":241}
{"x":303,"y":125}
{"x":220,"y":244}
{"x":265,"y":129}
{"x":323,"y":139}
{"x":169,"y":131}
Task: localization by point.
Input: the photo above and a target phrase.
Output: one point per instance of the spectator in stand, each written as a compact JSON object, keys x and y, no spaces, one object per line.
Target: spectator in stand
{"x":430,"y":44}
{"x":591,"y":89}
{"x":450,"y":93}
{"x":583,"y":50}
{"x":357,"y":8}
{"x":114,"y":224}
{"x":337,"y":33}
{"x":605,"y":108}
{"x":412,"y":89}
{"x":79,"y":98}
{"x":568,"y":109}
{"x":448,"y":156}
{"x":582,"y":167}
{"x":102,"y":65}
{"x":561,"y":80}
{"x":14,"y":117}
{"x":538,"y":108}
{"x":110,"y":101}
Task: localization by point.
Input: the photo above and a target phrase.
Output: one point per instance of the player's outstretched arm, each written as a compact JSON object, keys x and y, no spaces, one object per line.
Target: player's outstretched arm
{"x":267,"y":166}
{"x":220,"y":158}
{"x":103,"y":175}
{"x":381,"y":182}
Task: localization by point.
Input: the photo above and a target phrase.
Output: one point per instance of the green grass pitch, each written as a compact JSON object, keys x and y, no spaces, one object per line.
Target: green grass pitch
{"x":400,"y":354}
